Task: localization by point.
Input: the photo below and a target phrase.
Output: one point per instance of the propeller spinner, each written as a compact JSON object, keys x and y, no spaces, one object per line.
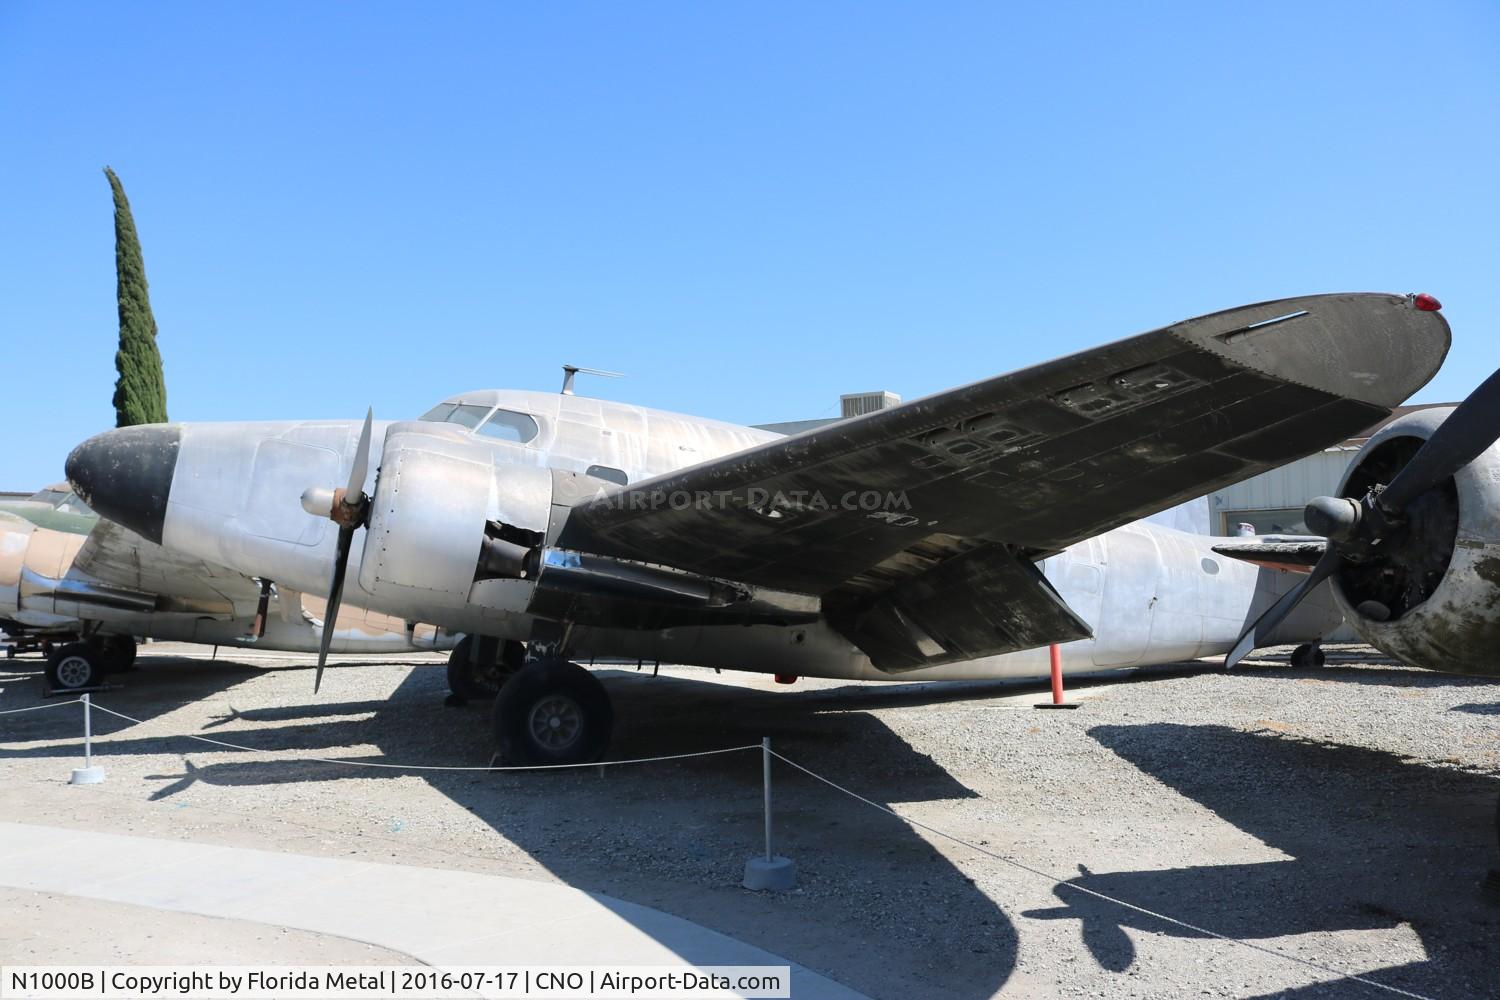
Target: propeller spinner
{"x":349,"y":508}
{"x":1354,"y":528}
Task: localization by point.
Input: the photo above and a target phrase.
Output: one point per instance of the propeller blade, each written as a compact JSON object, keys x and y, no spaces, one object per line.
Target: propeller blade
{"x":361,"y":466}
{"x":1253,"y":636}
{"x":1471,"y":428}
{"x":335,"y":597}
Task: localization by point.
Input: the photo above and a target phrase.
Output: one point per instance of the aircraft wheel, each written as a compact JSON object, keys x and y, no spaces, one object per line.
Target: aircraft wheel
{"x":76,"y":665}
{"x":119,"y":652}
{"x":1307,"y":656}
{"x":479,"y":665}
{"x":553,"y":712}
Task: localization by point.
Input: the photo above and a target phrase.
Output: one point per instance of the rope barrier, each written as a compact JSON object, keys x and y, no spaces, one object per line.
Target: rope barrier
{"x":38,"y":708}
{"x":438,"y":767}
{"x":1099,"y":895}
{"x":978,"y":849}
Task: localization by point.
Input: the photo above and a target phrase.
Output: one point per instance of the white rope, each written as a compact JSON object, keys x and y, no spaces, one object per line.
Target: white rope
{"x":1099,"y":895}
{"x":436,"y":767}
{"x":38,"y":708}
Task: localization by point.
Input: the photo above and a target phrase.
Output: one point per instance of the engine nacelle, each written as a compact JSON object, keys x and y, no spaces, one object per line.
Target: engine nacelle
{"x":438,"y":498}
{"x":1432,"y":596}
{"x":453,"y":525}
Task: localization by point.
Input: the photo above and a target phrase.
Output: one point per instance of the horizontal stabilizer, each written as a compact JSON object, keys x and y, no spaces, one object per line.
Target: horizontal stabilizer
{"x":1298,"y":553}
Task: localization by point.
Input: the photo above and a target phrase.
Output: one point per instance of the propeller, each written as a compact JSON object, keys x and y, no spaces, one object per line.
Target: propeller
{"x":349,"y":508}
{"x":1354,"y":527}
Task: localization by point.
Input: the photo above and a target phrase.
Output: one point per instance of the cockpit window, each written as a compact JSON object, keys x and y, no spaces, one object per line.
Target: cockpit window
{"x":70,"y":504}
{"x":65,"y":501}
{"x":467,"y":415}
{"x":507,"y":425}
{"x":464,"y":414}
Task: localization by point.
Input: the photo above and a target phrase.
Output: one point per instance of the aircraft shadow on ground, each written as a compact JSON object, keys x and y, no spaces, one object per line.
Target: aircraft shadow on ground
{"x":1377,"y":841}
{"x":174,"y":681}
{"x":672,"y":834}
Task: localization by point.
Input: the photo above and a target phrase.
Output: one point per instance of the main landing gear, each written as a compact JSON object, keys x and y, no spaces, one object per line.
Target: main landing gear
{"x":79,"y":665}
{"x":479,"y":665}
{"x":553,"y":711}
{"x":547,"y":709}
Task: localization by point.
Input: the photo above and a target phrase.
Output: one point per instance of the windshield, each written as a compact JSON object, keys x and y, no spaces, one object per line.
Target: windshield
{"x":65,"y":501}
{"x":504,"y":425}
{"x":464,"y":414}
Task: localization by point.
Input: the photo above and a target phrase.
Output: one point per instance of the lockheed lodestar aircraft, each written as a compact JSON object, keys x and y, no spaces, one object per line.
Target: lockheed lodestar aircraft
{"x":85,"y":589}
{"x":906,"y":544}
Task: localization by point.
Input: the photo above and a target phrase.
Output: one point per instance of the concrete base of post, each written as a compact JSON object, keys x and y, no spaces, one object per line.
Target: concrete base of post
{"x":86,"y":776}
{"x":777,"y":874}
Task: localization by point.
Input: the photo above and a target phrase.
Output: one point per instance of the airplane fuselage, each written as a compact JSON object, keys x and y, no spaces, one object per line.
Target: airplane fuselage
{"x":1152,"y":594}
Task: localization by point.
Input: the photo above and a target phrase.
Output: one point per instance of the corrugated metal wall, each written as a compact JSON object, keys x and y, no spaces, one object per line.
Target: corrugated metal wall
{"x":1288,"y":487}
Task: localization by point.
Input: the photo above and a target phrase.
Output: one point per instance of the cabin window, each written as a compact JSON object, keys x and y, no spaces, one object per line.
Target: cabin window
{"x":605,"y":472}
{"x":508,"y":425}
{"x":439,"y":413}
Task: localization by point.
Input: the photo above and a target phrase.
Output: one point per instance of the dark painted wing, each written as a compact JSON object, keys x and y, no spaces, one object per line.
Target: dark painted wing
{"x":1026,"y":463}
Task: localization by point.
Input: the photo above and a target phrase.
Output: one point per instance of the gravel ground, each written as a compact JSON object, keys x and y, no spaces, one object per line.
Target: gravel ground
{"x":1342,"y":816}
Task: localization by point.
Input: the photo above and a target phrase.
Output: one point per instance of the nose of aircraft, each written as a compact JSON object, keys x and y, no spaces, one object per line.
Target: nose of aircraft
{"x":126,"y":475}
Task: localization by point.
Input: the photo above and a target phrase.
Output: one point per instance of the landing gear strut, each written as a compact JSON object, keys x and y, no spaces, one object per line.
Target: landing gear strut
{"x":119,"y":652}
{"x":479,"y":665}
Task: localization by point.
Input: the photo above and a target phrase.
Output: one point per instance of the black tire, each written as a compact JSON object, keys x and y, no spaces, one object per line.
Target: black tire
{"x":1308,"y":656}
{"x":553,"y":712}
{"x":475,"y":671}
{"x":119,"y":652}
{"x":75,"y":666}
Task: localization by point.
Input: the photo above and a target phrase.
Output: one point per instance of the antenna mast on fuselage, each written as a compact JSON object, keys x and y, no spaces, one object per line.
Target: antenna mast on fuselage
{"x":571,"y":370}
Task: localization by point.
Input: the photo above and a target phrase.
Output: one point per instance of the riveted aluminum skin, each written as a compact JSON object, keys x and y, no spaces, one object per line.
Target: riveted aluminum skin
{"x":433,"y":498}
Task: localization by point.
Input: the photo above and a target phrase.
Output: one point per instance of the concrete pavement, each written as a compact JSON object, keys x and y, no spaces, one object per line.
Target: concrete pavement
{"x":436,"y":916}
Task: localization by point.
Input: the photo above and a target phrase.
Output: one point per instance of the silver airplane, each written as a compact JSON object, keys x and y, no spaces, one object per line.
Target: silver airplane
{"x":921,"y":542}
{"x":84,"y":589}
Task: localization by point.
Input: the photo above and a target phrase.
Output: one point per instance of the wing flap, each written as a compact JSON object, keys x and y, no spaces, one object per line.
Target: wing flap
{"x":981,"y":602}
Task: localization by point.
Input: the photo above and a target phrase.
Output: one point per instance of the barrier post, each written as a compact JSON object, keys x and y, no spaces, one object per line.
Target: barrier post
{"x":88,"y":774}
{"x":1055,"y":652}
{"x":765,"y":777}
{"x":769,"y":871}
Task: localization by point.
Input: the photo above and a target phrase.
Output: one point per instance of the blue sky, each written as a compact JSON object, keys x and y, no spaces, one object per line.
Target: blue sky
{"x":747,"y":208}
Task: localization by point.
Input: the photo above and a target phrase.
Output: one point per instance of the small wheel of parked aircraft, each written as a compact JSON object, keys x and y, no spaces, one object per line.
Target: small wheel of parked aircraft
{"x":1307,"y":656}
{"x":479,"y":665}
{"x":76,"y":665}
{"x":119,"y":652}
{"x":553,"y":712}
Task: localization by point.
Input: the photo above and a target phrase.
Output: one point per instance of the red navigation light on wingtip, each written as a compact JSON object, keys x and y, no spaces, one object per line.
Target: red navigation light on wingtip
{"x":1426,"y":302}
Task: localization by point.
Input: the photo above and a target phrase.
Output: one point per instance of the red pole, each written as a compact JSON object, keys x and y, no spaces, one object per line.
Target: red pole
{"x":1057,"y":688}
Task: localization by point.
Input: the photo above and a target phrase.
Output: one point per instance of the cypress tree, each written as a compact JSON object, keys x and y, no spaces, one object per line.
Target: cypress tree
{"x":141,"y":389}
